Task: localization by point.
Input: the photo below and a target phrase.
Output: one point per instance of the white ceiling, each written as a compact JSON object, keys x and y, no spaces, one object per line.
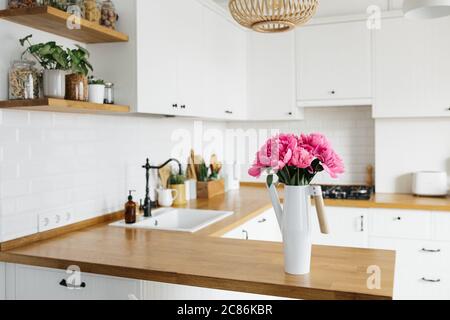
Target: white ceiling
{"x":344,"y":7}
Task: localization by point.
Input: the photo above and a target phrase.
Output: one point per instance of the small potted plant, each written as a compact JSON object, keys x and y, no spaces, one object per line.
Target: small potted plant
{"x":209,"y":183}
{"x":54,"y":60}
{"x":177,"y":182}
{"x":77,"y":81}
{"x":96,"y":90}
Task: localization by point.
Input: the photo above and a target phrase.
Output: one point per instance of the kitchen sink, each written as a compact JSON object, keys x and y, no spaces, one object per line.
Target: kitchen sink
{"x":182,"y":220}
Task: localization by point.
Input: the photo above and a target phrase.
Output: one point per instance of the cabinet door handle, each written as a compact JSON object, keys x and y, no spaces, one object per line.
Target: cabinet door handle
{"x":397,"y":218}
{"x":183,"y":106}
{"x":431,"y":251}
{"x":332,"y":92}
{"x":64,"y":283}
{"x":431,"y":280}
{"x":362,"y":223}
{"x":245,"y":232}
{"x":262,"y":220}
{"x":174,"y":105}
{"x":228,"y":112}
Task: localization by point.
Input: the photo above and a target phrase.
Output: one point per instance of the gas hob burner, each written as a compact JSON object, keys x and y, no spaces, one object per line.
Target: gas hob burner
{"x":347,"y":192}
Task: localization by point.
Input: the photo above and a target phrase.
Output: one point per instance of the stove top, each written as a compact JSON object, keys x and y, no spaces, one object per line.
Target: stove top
{"x":347,"y":192}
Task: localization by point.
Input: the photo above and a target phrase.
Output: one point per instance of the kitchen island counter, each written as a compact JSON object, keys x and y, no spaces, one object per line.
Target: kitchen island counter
{"x":205,"y":260}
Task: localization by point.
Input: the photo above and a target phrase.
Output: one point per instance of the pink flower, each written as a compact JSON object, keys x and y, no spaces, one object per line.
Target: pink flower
{"x":320,"y":148}
{"x":298,"y":152}
{"x":301,"y":158}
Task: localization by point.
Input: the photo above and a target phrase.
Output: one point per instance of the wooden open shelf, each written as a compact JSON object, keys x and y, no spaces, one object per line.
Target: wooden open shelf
{"x":61,"y":105}
{"x":52,"y":20}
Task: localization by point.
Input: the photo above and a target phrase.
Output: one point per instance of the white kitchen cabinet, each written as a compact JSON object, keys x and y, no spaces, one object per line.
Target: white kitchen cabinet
{"x":403,"y":224}
{"x":165,"y":291}
{"x":2,"y":281}
{"x":441,"y":226}
{"x":33,"y":283}
{"x":348,"y":227}
{"x":271,"y":77}
{"x":262,"y":228}
{"x":422,"y":267}
{"x":334,"y":65}
{"x":170,"y":57}
{"x":412,"y":69}
{"x":157,"y":54}
{"x":225,"y":73}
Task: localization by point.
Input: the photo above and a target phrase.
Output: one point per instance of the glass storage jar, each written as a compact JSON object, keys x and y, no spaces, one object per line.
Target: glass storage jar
{"x":24,"y":81}
{"x":16,"y":4}
{"x":109,"y":93}
{"x":92,"y":11}
{"x":76,"y":7}
{"x":108,"y":14}
{"x":58,"y":4}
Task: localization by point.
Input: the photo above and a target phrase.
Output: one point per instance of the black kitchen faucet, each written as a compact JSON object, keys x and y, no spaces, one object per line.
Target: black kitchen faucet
{"x":147,"y":206}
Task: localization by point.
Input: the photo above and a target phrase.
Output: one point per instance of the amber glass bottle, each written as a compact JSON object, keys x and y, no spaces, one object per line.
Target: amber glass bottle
{"x":130,"y":210}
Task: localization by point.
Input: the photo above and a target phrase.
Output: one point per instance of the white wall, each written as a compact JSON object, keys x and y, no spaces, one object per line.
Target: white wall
{"x":351,"y":131}
{"x":404,"y":146}
{"x":83,"y":164}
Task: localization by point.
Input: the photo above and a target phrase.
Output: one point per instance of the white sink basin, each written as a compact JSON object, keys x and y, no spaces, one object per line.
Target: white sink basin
{"x":183,"y":220}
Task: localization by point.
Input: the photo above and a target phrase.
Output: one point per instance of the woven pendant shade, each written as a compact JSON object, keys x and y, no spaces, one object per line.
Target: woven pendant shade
{"x":272,"y":15}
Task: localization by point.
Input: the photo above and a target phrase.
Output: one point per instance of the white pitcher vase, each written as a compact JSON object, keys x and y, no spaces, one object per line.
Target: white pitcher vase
{"x":294,"y":219}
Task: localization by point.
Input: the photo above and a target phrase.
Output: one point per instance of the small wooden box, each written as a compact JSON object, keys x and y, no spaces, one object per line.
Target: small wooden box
{"x":207,"y":190}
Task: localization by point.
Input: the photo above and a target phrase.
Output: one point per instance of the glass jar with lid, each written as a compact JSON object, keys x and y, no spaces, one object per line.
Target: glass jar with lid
{"x":16,"y":4}
{"x":76,"y":7}
{"x":109,"y":93}
{"x":108,"y":14}
{"x":24,"y":81}
{"x":58,"y":4}
{"x":92,"y":11}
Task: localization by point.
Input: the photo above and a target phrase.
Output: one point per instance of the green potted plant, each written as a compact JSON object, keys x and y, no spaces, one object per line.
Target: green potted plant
{"x":176,"y":182}
{"x":54,"y":59}
{"x":96,"y":90}
{"x":77,"y":81}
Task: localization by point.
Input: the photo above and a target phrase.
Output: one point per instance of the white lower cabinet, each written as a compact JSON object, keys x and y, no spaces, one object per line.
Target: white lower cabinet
{"x":2,"y":281}
{"x":165,"y":291}
{"x":33,"y":283}
{"x":420,"y":238}
{"x":349,"y":228}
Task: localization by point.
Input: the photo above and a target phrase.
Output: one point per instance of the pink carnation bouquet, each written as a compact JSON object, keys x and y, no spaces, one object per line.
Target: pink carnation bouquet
{"x":296,"y":159}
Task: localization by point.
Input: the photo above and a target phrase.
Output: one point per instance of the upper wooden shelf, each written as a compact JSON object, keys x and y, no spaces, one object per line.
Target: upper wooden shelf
{"x":52,"y":20}
{"x":61,"y":105}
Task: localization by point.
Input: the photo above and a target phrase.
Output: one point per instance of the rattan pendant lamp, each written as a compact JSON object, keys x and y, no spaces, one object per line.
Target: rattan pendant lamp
{"x":272,"y":16}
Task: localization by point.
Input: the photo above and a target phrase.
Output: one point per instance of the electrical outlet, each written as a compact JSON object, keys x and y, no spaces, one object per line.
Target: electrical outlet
{"x":55,"y":218}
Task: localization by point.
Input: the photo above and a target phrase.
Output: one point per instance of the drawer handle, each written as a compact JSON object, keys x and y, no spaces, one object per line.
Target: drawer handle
{"x":431,"y":251}
{"x":431,"y":280}
{"x":362,"y":224}
{"x":64,"y":283}
{"x":262,"y":220}
{"x":398,"y":219}
{"x":245,"y":232}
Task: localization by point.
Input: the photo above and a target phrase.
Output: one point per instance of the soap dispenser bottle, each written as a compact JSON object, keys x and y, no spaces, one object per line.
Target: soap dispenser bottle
{"x":130,"y":210}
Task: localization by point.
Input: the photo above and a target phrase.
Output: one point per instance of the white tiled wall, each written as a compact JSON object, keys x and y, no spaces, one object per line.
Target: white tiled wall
{"x":351,"y":131}
{"x":75,"y":166}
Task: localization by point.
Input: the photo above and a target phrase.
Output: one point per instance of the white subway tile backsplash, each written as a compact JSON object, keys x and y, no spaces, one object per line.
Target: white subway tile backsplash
{"x":350,"y":130}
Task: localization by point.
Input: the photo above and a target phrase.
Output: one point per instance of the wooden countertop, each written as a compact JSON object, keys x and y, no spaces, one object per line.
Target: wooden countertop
{"x":206,"y":261}
{"x":386,"y":201}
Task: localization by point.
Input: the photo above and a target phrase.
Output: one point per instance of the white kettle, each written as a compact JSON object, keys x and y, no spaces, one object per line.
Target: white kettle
{"x":294,"y":219}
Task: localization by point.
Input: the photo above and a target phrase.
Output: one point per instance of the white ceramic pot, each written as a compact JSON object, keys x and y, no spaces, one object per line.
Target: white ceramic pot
{"x":54,"y":83}
{"x":97,"y":93}
{"x":295,"y":224}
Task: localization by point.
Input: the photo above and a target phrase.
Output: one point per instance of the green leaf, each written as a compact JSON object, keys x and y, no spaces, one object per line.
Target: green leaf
{"x":269,"y":180}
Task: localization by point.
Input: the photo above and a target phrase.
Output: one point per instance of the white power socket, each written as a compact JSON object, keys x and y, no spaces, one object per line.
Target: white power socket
{"x":55,"y":218}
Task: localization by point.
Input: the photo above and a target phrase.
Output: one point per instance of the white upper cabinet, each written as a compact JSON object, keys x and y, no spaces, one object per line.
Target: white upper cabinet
{"x":170,"y":57}
{"x":271,"y":77}
{"x":225,"y":75}
{"x":157,"y":51}
{"x":334,"y":65}
{"x":412,"y":68}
